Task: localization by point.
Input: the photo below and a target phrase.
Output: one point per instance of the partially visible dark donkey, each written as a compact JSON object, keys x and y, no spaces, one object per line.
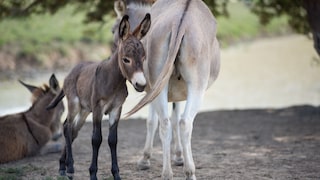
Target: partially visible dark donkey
{"x":24,"y":134}
{"x":101,"y":88}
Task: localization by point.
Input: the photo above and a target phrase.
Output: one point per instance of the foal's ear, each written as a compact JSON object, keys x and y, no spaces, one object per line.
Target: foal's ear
{"x":54,"y":84}
{"x":143,"y":28}
{"x":120,"y":8}
{"x":31,"y":88}
{"x":124,"y":28}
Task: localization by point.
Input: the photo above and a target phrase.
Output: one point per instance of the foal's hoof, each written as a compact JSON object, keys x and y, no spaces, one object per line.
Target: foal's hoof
{"x":93,"y":177}
{"x":70,"y":176}
{"x":143,"y":164}
{"x":116,"y":177}
{"x":178,"y":161}
{"x":62,"y":172}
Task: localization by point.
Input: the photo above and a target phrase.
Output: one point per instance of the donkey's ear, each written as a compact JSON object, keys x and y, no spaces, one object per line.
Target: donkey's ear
{"x":124,"y":28}
{"x":53,"y":82}
{"x":120,"y":8}
{"x":143,"y":28}
{"x":31,"y":88}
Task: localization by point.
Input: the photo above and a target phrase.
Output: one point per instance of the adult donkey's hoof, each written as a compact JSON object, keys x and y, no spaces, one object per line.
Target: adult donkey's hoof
{"x":143,"y":164}
{"x":167,"y":176}
{"x":193,"y":177}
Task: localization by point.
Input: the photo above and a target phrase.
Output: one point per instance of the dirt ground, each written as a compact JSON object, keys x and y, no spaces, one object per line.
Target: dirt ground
{"x":237,"y":144}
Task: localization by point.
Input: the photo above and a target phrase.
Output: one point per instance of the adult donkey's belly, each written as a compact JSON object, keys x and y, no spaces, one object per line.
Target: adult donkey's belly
{"x":177,"y":89}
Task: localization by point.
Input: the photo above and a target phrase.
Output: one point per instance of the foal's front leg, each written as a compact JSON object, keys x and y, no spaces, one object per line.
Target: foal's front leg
{"x":95,"y":141}
{"x":113,"y":139}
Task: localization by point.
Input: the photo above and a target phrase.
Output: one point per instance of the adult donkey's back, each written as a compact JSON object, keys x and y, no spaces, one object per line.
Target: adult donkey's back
{"x":183,"y":60}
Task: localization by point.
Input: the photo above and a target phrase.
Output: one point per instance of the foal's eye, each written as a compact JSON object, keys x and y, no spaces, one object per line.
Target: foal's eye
{"x":125,"y":60}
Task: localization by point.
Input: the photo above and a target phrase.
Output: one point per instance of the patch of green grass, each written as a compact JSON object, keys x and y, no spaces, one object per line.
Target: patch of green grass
{"x":16,"y":173}
{"x":20,"y":172}
{"x":10,"y":173}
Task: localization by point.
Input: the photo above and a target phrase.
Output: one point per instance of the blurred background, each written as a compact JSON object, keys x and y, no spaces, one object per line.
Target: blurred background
{"x":268,"y":50}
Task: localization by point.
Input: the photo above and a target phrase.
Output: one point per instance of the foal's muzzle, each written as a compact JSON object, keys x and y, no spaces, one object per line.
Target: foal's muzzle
{"x":139,"y":81}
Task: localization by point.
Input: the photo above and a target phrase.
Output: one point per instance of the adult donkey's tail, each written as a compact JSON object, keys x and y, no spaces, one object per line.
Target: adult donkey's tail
{"x":164,"y":77}
{"x":56,"y":100}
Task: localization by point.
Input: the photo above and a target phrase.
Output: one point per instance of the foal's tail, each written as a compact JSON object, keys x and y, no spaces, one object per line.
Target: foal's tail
{"x":56,"y":100}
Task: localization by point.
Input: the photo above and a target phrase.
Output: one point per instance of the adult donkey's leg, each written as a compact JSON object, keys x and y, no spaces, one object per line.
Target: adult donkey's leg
{"x":165,"y":131}
{"x":113,"y":139}
{"x":193,"y":103}
{"x":175,"y":118}
{"x":96,"y":141}
{"x":152,"y":124}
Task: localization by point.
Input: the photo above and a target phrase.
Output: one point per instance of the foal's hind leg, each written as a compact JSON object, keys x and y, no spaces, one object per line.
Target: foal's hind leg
{"x":152,"y":124}
{"x":62,"y":160}
{"x":67,"y":131}
{"x":66,"y":159}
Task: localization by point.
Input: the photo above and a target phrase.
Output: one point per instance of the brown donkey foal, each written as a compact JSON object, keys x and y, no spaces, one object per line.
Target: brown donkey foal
{"x":101,"y":88}
{"x":24,"y":134}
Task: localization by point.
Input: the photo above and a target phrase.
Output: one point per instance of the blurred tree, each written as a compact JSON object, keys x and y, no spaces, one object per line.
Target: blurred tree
{"x":304,"y":15}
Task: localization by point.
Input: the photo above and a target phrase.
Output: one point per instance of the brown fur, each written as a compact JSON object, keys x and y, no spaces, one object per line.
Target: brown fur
{"x":100,"y":88}
{"x":24,"y":134}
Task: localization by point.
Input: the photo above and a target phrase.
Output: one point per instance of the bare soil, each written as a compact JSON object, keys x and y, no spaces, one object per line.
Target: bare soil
{"x":232,"y":144}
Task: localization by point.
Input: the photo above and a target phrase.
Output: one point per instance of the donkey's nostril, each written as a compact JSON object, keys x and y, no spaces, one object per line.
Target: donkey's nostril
{"x":139,"y":87}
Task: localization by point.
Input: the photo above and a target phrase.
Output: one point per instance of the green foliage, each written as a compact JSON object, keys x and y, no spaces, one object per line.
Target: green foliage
{"x":97,"y":10}
{"x":65,"y":25}
{"x":37,"y":35}
{"x":293,"y":9}
{"x":44,"y":33}
{"x":242,"y":24}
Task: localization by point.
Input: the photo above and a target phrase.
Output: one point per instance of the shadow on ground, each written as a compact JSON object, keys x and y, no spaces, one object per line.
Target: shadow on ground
{"x":238,"y":144}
